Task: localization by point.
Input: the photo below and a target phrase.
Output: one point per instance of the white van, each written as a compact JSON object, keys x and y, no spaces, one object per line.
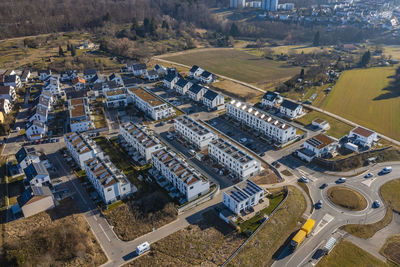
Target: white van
{"x":142,"y":248}
{"x":192,"y":152}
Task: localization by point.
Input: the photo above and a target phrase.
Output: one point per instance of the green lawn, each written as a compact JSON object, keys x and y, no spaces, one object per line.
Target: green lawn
{"x":360,"y":96}
{"x":237,"y":64}
{"x":347,"y":254}
{"x":338,"y":128}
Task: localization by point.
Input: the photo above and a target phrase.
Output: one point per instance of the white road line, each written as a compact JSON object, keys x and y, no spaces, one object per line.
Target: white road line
{"x":94,"y":215}
{"x":101,"y":227}
{"x":324,"y":222}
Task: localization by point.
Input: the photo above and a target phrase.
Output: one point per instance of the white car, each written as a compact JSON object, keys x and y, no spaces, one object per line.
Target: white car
{"x":341,"y":180}
{"x":303,"y":179}
{"x":369,"y":175}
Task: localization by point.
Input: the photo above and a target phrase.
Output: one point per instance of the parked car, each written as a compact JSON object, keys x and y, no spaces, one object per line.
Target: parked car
{"x":341,"y":180}
{"x":376,"y":204}
{"x":303,"y":179}
{"x":213,"y":123}
{"x":386,"y":170}
{"x":243,"y":140}
{"x":323,"y":186}
{"x":262,"y":154}
{"x":369,"y":175}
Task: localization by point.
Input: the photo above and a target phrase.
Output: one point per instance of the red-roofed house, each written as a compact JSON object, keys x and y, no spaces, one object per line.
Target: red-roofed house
{"x":362,"y":136}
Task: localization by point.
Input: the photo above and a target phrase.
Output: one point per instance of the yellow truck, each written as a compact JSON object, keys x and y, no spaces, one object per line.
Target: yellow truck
{"x":302,"y":233}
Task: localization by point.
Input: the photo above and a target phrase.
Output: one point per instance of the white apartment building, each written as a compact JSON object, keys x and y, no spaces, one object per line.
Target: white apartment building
{"x":189,"y":183}
{"x":35,"y":130}
{"x":261,"y":121}
{"x":138,"y":138}
{"x":149,"y":104}
{"x":116,"y":98}
{"x":317,"y":146}
{"x":362,"y":136}
{"x":194,"y":132}
{"x":240,"y":163}
{"x":243,"y":196}
{"x":109,"y":182}
{"x":271,"y":99}
{"x":291,"y":109}
{"x":79,"y":115}
{"x":81,"y":148}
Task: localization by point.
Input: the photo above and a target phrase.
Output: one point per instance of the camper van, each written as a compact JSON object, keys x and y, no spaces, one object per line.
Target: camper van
{"x":142,"y":248}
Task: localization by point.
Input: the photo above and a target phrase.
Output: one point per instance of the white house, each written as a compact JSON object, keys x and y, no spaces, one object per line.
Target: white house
{"x":271,"y":99}
{"x":116,"y":98}
{"x":194,"y":132}
{"x":79,"y":115}
{"x":362,"y":136}
{"x":161,"y":70}
{"x":317,"y":146}
{"x":212,"y":99}
{"x":151,"y":75}
{"x":110,"y":183}
{"x":140,"y":140}
{"x":26,"y":74}
{"x":40,"y":114}
{"x":35,"y":199}
{"x":170,"y":80}
{"x":291,"y":109}
{"x":8,"y":92}
{"x":44,"y":102}
{"x":321,"y":124}
{"x":195,"y":72}
{"x":149,"y":104}
{"x":237,"y":161}
{"x":26,"y":156}
{"x":262,"y":122}
{"x":35,"y":130}
{"x":116,"y":78}
{"x":206,"y":77}
{"x":37,"y":174}
{"x":243,"y":196}
{"x":89,"y":74}
{"x":190,"y":184}
{"x":139,"y":69}
{"x":182,"y":86}
{"x":12,"y":80}
{"x":196,"y":92}
{"x":5,"y":105}
{"x":68,"y":75}
{"x":44,"y":74}
{"x":82,"y":148}
{"x":53,"y":85}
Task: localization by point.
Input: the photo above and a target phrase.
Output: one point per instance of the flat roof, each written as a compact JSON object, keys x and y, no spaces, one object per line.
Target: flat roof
{"x":146,"y":96}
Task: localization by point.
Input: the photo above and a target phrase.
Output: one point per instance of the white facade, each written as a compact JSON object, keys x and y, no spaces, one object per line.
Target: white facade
{"x":151,"y":75}
{"x":79,"y":115}
{"x":271,"y":99}
{"x":81,"y":148}
{"x":40,"y":114}
{"x":138,"y":138}
{"x":36,"y":130}
{"x":5,"y":105}
{"x":110,"y":183}
{"x":8,"y":92}
{"x":170,"y":80}
{"x":240,"y":163}
{"x":44,"y":74}
{"x":212,"y":99}
{"x":261,"y":121}
{"x":26,"y":156}
{"x":37,"y":174}
{"x":182,"y":86}
{"x":317,"y":146}
{"x":195,"y":72}
{"x":243,"y":196}
{"x":116,"y":98}
{"x":194,"y":132}
{"x":291,"y":109}
{"x":53,"y":85}
{"x":196,"y":92}
{"x":362,"y":136}
{"x":190,"y":184}
{"x":237,"y":3}
{"x":149,"y":104}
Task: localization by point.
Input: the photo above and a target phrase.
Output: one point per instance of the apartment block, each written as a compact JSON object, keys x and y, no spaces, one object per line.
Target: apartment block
{"x":194,"y":132}
{"x":237,"y":161}
{"x":81,"y":148}
{"x":139,"y":139}
{"x":261,"y":121}
{"x":79,"y":115}
{"x":243,"y":196}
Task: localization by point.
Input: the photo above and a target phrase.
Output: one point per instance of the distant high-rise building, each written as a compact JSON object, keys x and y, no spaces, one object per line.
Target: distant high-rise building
{"x":237,"y":3}
{"x":270,"y":5}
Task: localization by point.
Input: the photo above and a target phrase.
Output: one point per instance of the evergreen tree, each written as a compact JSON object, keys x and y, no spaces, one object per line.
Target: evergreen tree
{"x":316,"y":39}
{"x":365,"y":59}
{"x":146,"y":25}
{"x":234,"y":31}
{"x":60,"y":51}
{"x":73,"y":50}
{"x":302,"y":73}
{"x":135,"y":24}
{"x":153,"y":26}
{"x":165,"y":25}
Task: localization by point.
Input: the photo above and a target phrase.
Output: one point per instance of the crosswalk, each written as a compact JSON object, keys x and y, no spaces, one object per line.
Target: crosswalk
{"x":325,"y":220}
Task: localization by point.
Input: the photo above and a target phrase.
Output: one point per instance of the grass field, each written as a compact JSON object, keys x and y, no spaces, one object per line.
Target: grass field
{"x":391,"y":249}
{"x":347,"y":198}
{"x":365,"y":96}
{"x":236,"y":64}
{"x":347,"y":254}
{"x":239,"y":91}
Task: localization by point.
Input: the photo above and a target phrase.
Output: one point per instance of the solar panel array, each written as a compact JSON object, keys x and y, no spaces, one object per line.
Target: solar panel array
{"x":252,"y":188}
{"x":238,"y":195}
{"x":314,"y":142}
{"x":37,"y":190}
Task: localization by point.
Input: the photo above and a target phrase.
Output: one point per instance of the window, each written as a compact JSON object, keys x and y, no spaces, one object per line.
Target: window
{"x":109,"y":189}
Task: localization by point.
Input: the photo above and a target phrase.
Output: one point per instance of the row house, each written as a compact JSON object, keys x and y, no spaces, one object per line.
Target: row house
{"x":271,"y":99}
{"x":213,"y":100}
{"x":27,"y":155}
{"x":194,"y":132}
{"x":12,"y":80}
{"x":37,"y":174}
{"x":291,"y":109}
{"x":160,"y":69}
{"x":89,"y":74}
{"x":139,"y":139}
{"x":44,"y":74}
{"x":201,"y":75}
{"x":261,"y":121}
{"x":151,"y":75}
{"x":196,"y":92}
{"x":53,"y":85}
{"x":237,"y":161}
{"x":138,"y":69}
{"x":317,"y":146}
{"x":69,"y":75}
{"x":182,"y":86}
{"x":110,"y":183}
{"x":170,"y":80}
{"x":81,"y":148}
{"x":8,"y":92}
{"x":26,"y":74}
{"x":190,"y":184}
{"x":116,"y":98}
{"x":5,"y":106}
{"x":243,"y":196}
{"x":79,"y":115}
{"x":149,"y":104}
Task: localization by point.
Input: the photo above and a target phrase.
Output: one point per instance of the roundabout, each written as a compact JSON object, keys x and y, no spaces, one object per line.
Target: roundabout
{"x":347,"y":198}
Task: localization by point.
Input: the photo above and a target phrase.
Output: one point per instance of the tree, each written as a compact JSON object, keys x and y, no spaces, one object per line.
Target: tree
{"x":73,"y":50}
{"x":234,"y":31}
{"x":302,"y":73}
{"x":146,"y":25}
{"x":165,"y":25}
{"x":107,"y":17}
{"x":135,"y":24}
{"x":60,"y":51}
{"x":316,"y":39}
{"x":153,"y":26}
{"x":366,"y":57}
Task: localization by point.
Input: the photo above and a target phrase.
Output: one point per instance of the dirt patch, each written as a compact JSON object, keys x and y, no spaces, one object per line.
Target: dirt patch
{"x":391,"y":249}
{"x":136,"y":218}
{"x":265,"y":177}
{"x":287,"y":173}
{"x":236,"y":90}
{"x":60,"y":237}
{"x":207,"y":243}
{"x":347,"y":198}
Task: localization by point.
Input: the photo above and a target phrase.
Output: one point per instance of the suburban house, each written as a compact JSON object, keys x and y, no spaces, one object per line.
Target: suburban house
{"x":79,"y":83}
{"x":272,"y":128}
{"x":206,"y":77}
{"x":37,"y":174}
{"x":271,"y":99}
{"x":291,"y":109}
{"x":140,"y":140}
{"x":8,"y":92}
{"x":44,"y":102}
{"x":363,"y":137}
{"x":44,"y":74}
{"x":110,"y":85}
{"x":95,"y":80}
{"x":212,"y":99}
{"x":149,"y":104}
{"x":321,"y":124}
{"x":318,"y":146}
{"x":26,"y":74}
{"x":170,"y":80}
{"x":27,"y":155}
{"x":139,"y":69}
{"x":68,"y":75}
{"x":195,"y":72}
{"x":116,"y":78}
{"x":190,"y":184}
{"x":12,"y":80}
{"x":79,"y":115}
{"x":9,"y":72}
{"x":182,"y":86}
{"x":5,"y":105}
{"x":52,"y":85}
{"x":243,"y":196}
{"x":82,"y":148}
{"x":35,"y":199}
{"x":237,"y":161}
{"x":151,"y":75}
{"x":35,"y":130}
{"x":116,"y":98}
{"x":196,"y":92}
{"x":194,"y":132}
{"x":161,"y":70}
{"x":110,"y":183}
{"x":89,"y":74}
{"x":40,"y":114}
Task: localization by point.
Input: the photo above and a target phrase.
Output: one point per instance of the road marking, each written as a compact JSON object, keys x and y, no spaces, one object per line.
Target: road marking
{"x":104,"y":233}
{"x":307,"y":175}
{"x":324,"y":222}
{"x":369,"y":182}
{"x":94,"y":215}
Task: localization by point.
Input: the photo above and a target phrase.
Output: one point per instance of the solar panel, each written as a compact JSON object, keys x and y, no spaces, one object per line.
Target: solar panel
{"x":37,"y":190}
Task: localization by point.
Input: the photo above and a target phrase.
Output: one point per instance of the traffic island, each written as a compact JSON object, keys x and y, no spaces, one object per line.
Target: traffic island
{"x":347,"y":198}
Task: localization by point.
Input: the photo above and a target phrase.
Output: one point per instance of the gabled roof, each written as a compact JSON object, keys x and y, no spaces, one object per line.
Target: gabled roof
{"x":182,"y":82}
{"x":363,"y":132}
{"x":90,"y":72}
{"x":32,"y":194}
{"x":140,"y":66}
{"x":194,"y":68}
{"x":24,"y":152}
{"x":10,"y":78}
{"x":206,"y":74}
{"x":195,"y":88}
{"x":170,"y":77}
{"x":35,"y":169}
{"x":152,"y":73}
{"x":270,"y":96}
{"x":289,"y":104}
{"x":210,"y":95}
{"x":320,"y":141}
{"x":48,"y":72}
{"x":79,"y":80}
